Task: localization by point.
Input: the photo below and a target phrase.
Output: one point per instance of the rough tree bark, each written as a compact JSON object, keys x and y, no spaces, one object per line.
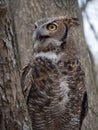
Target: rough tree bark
{"x":25,"y":13}
{"x":13,"y":113}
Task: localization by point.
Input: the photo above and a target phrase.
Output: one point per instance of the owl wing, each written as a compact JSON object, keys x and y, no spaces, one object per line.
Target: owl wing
{"x":26,"y":80}
{"x":39,"y":73}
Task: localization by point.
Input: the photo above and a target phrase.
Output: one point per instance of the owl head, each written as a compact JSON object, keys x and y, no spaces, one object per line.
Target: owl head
{"x":52,"y":32}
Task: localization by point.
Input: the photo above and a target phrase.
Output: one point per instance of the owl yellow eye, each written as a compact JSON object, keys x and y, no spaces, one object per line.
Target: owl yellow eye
{"x":51,"y":27}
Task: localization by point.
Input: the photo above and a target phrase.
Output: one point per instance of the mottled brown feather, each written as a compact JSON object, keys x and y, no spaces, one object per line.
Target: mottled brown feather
{"x":55,"y":91}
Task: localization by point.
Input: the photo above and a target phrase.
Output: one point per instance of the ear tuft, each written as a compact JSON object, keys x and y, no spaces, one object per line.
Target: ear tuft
{"x":72,"y":21}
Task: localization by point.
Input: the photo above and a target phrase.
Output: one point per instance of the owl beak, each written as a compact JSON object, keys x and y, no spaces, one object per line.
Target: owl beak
{"x":39,"y":36}
{"x":36,"y":35}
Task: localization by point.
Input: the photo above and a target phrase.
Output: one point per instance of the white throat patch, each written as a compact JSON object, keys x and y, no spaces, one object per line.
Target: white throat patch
{"x":49,"y":55}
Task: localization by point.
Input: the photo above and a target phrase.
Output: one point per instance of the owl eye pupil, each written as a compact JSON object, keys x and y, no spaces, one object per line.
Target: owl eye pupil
{"x":52,"y":26}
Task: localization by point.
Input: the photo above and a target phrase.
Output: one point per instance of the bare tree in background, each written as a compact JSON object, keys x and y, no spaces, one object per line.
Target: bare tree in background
{"x":13,"y":114}
{"x":83,"y":8}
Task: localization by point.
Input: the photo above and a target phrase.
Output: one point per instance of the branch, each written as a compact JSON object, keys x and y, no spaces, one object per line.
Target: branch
{"x":91,"y":26}
{"x":84,"y":5}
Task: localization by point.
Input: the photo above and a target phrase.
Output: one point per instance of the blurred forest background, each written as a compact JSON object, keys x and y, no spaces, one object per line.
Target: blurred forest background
{"x":17,"y":19}
{"x":90,"y":20}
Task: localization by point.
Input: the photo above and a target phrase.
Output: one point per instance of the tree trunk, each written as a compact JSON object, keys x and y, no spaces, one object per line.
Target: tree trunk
{"x":13,"y":113}
{"x":25,"y":13}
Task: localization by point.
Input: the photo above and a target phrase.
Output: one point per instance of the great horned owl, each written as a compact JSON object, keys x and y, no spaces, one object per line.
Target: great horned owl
{"x":53,"y":82}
